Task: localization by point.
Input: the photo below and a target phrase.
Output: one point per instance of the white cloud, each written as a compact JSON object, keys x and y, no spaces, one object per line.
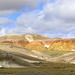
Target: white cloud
{"x":71,"y":34}
{"x":60,"y":35}
{"x":2,"y":32}
{"x":12,"y":6}
{"x":57,"y":19}
{"x":17,"y":4}
{"x":4,"y":20}
{"x":6,"y":12}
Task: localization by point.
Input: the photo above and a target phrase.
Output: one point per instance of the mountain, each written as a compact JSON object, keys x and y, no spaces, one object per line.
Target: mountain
{"x":30,"y":41}
{"x":24,"y":50}
{"x":39,"y":42}
{"x":63,"y":44}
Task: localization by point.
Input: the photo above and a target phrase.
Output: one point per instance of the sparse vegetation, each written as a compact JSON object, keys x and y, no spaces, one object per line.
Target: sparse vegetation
{"x":55,"y":53}
{"x":43,"y":69}
{"x":11,"y":58}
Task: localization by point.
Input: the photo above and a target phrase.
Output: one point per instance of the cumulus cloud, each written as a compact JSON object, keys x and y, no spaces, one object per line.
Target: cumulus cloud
{"x":57,"y":19}
{"x":12,"y":6}
{"x":4,"y":20}
{"x":54,"y":18}
{"x":61,"y":35}
{"x":2,"y":32}
{"x":7,"y":12}
{"x":65,"y":9}
{"x":17,"y":4}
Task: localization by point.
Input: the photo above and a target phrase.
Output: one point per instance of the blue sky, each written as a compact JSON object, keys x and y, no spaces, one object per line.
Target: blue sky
{"x":52,"y":18}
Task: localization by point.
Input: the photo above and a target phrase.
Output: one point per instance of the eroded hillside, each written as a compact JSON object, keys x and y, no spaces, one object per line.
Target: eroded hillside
{"x":36,"y":48}
{"x":30,"y":41}
{"x":64,"y":44}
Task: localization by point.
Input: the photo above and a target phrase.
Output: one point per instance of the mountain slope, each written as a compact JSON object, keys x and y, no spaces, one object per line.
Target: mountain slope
{"x":67,"y":58}
{"x":35,"y":46}
{"x":64,"y":44}
{"x":21,"y":51}
{"x":23,"y":40}
{"x":8,"y":59}
{"x":13,"y":37}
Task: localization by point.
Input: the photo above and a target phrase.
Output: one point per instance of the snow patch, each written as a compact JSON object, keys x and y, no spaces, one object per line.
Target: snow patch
{"x":47,"y":46}
{"x":0,"y":66}
{"x":72,"y":50}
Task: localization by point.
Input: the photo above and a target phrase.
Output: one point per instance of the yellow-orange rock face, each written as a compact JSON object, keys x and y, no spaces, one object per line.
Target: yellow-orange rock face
{"x":64,"y":44}
{"x":29,"y":41}
{"x":35,"y":46}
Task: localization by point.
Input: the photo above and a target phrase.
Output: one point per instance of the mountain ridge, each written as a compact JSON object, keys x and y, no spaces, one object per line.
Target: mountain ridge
{"x":38,"y":42}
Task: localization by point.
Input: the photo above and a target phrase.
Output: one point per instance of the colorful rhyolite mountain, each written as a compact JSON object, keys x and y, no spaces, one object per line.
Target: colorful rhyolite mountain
{"x":63,"y":44}
{"x":39,"y":42}
{"x":30,"y":41}
{"x":23,"y":50}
